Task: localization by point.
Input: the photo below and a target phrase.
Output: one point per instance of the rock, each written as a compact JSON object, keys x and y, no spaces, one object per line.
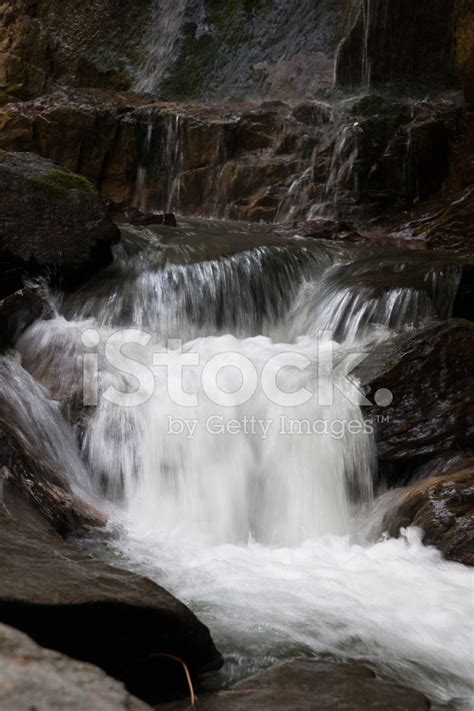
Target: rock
{"x":314,"y":113}
{"x":258,"y":130}
{"x":430,"y":375}
{"x":429,"y":147}
{"x":68,"y":601}
{"x":40,"y":466}
{"x":464,"y":303}
{"x":20,"y":310}
{"x":32,"y":489}
{"x":465,"y":47}
{"x":135,"y":216}
{"x":51,"y":220}
{"x":321,"y":228}
{"x":51,"y":42}
{"x":396,"y":41}
{"x":35,"y":678}
{"x":443,"y":507}
{"x":243,"y":164}
{"x":311,"y":685}
{"x":451,"y":227}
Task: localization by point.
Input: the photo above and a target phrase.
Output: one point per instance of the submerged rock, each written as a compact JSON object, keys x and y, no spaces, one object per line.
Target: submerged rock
{"x":311,"y":685}
{"x":52,"y":221}
{"x":68,"y":601}
{"x":32,"y":677}
{"x":443,"y":507}
{"x":430,"y":376}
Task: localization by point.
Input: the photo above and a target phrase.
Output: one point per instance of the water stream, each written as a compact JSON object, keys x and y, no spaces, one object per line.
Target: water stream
{"x":254,"y":506}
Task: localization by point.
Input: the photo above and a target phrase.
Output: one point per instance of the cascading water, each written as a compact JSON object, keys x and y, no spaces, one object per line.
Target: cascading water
{"x":163,"y":35}
{"x":249,"y":505}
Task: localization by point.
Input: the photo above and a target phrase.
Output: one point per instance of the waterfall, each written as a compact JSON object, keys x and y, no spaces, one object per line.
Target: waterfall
{"x":161,"y":40}
{"x":140,"y":197}
{"x":293,"y":475}
{"x":253,"y":507}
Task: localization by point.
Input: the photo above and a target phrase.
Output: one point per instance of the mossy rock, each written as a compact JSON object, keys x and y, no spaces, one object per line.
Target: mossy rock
{"x":59,"y":183}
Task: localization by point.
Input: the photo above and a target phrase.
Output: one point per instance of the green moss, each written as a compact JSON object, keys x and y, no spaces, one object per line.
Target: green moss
{"x":464,"y":323}
{"x":58,"y":184}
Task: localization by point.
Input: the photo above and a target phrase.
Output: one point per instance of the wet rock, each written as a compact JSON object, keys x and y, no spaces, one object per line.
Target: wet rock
{"x":465,"y":47}
{"x":32,"y":677}
{"x":68,"y":601}
{"x":31,"y":488}
{"x":322,"y":228}
{"x":430,"y":376}
{"x":464,"y":303}
{"x":51,"y":221}
{"x":443,"y":507}
{"x":253,"y":49}
{"x":395,"y":40}
{"x":135,"y":216}
{"x":311,"y":685}
{"x":429,"y":147}
{"x":18,"y":311}
{"x":259,"y":129}
{"x":314,"y":113}
{"x":451,"y":227}
{"x":51,"y":42}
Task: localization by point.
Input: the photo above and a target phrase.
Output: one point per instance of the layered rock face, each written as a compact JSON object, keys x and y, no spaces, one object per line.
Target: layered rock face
{"x":183,"y":50}
{"x":272,"y":163}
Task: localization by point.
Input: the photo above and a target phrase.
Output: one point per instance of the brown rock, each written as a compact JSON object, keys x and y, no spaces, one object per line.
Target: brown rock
{"x":431,"y":377}
{"x":444,"y":508}
{"x":70,"y":602}
{"x":32,"y":677}
{"x":311,"y":685}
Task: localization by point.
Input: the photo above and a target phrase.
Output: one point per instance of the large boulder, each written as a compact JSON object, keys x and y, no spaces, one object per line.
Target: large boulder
{"x":430,"y":376}
{"x":70,"y":602}
{"x":443,"y":507}
{"x":35,"y":678}
{"x":51,"y":220}
{"x":311,"y":685}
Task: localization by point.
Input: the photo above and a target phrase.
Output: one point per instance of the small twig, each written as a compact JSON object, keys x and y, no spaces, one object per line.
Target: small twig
{"x":193,"y":696}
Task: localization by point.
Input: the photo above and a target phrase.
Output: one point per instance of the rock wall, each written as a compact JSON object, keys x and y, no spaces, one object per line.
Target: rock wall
{"x":397,"y":40}
{"x":93,"y":43}
{"x":182,"y":49}
{"x":428,"y":43}
{"x":269,"y":163}
{"x":252,"y":48}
